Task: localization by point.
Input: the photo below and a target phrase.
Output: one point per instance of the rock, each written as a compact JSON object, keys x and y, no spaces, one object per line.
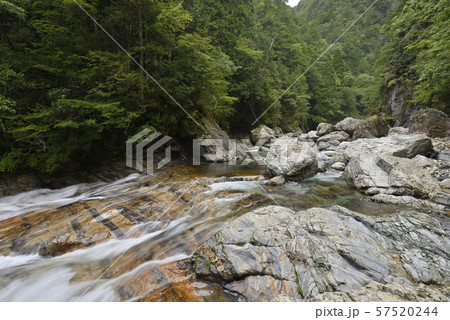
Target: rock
{"x":276,"y":181}
{"x":278,"y":132}
{"x":292,"y":159}
{"x":432,"y":122}
{"x":445,"y":184}
{"x":331,"y":140}
{"x":441,"y":198}
{"x":348,"y":125}
{"x":275,"y":251}
{"x":373,"y":174}
{"x":390,"y":292}
{"x":407,"y":202}
{"x":312,"y":135}
{"x":373,"y":127}
{"x":398,"y":130}
{"x":216,"y":145}
{"x":339,"y":166}
{"x":262,"y":133}
{"x":404,"y":146}
{"x":324,"y":129}
{"x":424,"y":162}
{"x":400,"y":108}
{"x":443,"y":156}
{"x":324,"y":161}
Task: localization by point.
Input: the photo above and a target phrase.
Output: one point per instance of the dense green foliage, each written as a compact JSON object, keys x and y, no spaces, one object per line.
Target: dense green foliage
{"x":417,"y":53}
{"x":70,"y":97}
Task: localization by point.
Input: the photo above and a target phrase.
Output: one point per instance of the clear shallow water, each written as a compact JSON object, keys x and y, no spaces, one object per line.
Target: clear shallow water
{"x":155,"y":249}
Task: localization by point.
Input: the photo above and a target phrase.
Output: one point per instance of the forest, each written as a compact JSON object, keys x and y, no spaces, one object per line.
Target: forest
{"x":70,"y":96}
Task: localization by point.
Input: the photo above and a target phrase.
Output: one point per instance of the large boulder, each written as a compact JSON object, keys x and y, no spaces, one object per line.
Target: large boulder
{"x":277,"y":254}
{"x":332,"y":140}
{"x":373,"y":127}
{"x":432,"y":122}
{"x":398,"y":145}
{"x":324,"y":129}
{"x":348,"y":125}
{"x":262,"y":133}
{"x":292,"y":159}
{"x":374,"y":174}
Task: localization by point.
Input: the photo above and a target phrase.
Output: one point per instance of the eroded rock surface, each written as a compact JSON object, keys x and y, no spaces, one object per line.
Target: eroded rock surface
{"x":404,"y":146}
{"x":374,"y":174}
{"x":277,"y":254}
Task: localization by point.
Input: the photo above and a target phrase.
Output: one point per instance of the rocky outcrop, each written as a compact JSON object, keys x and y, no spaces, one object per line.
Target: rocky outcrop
{"x":374,"y":174}
{"x":216,"y":146}
{"x":404,"y":146}
{"x":292,"y":159}
{"x":373,"y":127}
{"x":432,"y":122}
{"x":348,"y":125}
{"x":276,"y":254}
{"x":397,"y":99}
{"x":407,"y":201}
{"x":324,"y":129}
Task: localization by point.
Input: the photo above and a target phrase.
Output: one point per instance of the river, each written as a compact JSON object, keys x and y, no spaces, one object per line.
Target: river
{"x":132,"y":239}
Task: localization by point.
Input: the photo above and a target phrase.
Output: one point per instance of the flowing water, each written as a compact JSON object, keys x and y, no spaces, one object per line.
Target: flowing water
{"x":132,"y":239}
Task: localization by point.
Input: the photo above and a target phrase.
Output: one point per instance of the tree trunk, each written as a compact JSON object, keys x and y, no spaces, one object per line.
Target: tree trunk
{"x":141,"y":49}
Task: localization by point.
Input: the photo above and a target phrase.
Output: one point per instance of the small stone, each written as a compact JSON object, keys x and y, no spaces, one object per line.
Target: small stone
{"x":339,"y":166}
{"x":312,"y":135}
{"x":441,"y":198}
{"x":445,"y":184}
{"x":276,"y":181}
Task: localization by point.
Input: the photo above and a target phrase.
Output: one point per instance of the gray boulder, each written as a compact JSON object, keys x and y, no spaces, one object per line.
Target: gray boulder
{"x":275,"y":252}
{"x":292,"y":159}
{"x":432,"y":122}
{"x":262,"y":133}
{"x":373,"y":127}
{"x":403,"y":146}
{"x":332,"y":140}
{"x":374,"y":174}
{"x":312,"y":135}
{"x":324,"y":129}
{"x":339,"y":166}
{"x":348,"y":125}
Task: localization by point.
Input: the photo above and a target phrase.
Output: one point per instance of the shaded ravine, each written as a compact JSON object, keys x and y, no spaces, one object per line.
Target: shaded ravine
{"x":133,"y":239}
